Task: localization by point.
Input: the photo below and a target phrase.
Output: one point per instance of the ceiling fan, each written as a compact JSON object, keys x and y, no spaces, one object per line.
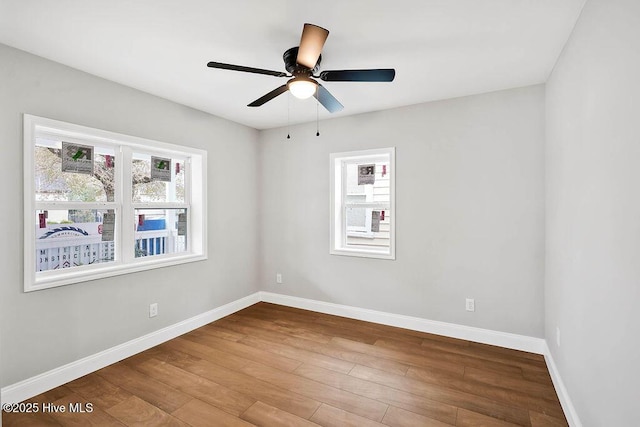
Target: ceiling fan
{"x":302,"y":62}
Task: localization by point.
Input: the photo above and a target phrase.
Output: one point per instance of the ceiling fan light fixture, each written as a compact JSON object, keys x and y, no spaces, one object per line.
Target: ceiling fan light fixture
{"x":302,"y":87}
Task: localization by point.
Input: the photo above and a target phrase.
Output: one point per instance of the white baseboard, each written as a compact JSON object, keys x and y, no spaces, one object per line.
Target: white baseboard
{"x":563,"y":395}
{"x":62,"y":375}
{"x":56,"y":377}
{"x":485,"y":336}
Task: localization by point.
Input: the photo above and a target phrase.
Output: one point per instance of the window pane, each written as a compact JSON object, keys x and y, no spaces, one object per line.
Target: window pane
{"x":357,"y":219}
{"x":71,"y":238}
{"x":157,"y":179}
{"x":375,"y":231}
{"x":376,"y":190}
{"x":160,"y":231}
{"x":52,"y":184}
{"x":352,"y":180}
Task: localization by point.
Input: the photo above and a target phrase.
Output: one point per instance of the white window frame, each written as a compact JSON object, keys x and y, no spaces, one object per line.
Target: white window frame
{"x":125,"y":261}
{"x":338,"y":203}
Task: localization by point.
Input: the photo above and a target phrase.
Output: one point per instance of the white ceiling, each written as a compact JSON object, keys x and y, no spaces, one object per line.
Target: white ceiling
{"x":439,"y":48}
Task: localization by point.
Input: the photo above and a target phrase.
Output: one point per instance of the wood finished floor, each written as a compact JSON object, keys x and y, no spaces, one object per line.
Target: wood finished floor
{"x":272,"y":365}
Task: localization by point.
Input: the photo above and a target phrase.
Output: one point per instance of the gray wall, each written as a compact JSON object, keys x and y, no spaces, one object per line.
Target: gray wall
{"x":46,"y":329}
{"x":470,"y":211}
{"x":593,"y":213}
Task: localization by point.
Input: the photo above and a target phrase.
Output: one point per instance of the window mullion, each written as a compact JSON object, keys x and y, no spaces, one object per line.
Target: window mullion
{"x":127,"y":233}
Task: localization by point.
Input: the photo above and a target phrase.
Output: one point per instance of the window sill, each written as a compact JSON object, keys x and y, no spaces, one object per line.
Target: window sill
{"x":363,"y":253}
{"x":78,"y":275}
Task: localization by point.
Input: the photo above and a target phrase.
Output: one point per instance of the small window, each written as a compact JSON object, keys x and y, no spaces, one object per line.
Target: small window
{"x":99,"y":204}
{"x":363,"y":204}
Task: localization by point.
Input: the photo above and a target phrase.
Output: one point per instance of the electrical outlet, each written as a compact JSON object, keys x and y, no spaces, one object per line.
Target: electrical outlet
{"x":558,"y":336}
{"x":153,"y":309}
{"x":279,"y":278}
{"x":471,"y":304}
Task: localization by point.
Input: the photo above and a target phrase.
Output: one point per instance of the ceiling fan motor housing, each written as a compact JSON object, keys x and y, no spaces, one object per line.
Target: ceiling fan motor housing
{"x":296,"y":69}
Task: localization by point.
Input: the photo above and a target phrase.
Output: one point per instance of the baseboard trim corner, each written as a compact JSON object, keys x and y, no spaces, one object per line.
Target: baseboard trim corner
{"x":485,"y":336}
{"x":56,"y":377}
{"x":563,"y":395}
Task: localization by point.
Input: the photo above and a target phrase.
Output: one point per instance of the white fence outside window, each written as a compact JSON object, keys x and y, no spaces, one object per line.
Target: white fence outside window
{"x":54,"y":253}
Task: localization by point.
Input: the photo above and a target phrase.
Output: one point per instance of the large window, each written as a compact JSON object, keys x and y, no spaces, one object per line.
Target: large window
{"x":363,"y":203}
{"x":98,"y":203}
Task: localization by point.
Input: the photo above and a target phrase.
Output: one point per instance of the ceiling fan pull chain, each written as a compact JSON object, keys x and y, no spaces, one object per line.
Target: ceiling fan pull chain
{"x":288,"y":115}
{"x":317,"y":115}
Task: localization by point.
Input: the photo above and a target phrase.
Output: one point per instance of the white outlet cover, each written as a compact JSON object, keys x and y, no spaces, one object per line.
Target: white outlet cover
{"x":470,"y":304}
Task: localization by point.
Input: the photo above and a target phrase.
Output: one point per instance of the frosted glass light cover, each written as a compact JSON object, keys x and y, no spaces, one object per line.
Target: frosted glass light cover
{"x":302,"y":89}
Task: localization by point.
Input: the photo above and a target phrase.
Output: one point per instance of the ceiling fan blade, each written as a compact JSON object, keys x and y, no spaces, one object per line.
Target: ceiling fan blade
{"x":268,"y":97}
{"x":311,"y":43}
{"x":245,"y":69}
{"x":374,"y":75}
{"x":327,"y":100}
